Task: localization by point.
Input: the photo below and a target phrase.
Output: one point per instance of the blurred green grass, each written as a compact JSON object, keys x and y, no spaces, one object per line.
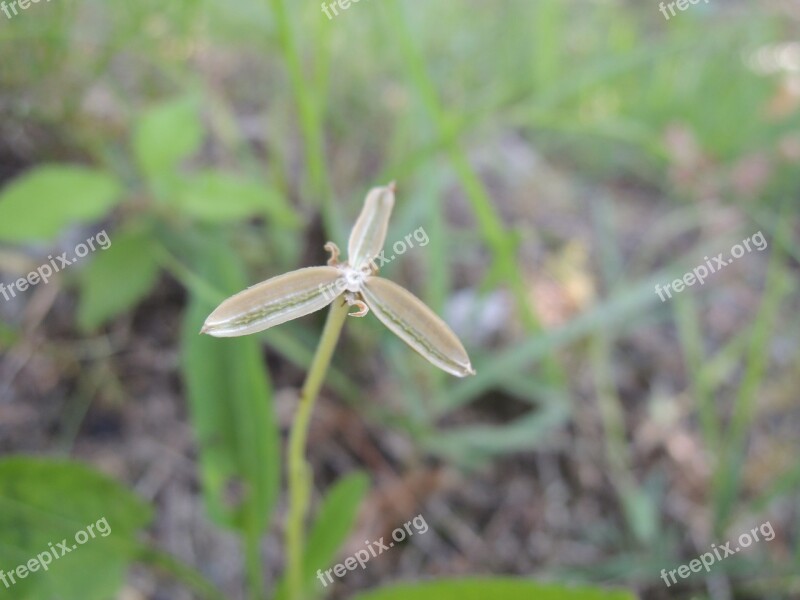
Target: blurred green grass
{"x":321,"y":110}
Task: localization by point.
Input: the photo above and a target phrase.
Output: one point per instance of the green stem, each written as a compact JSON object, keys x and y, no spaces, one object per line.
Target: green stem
{"x":300,"y":477}
{"x":310,"y":118}
{"x":497,"y":238}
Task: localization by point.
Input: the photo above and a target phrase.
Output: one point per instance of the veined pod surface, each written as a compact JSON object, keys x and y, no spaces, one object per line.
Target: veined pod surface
{"x":417,"y":325}
{"x":369,"y":233}
{"x":275,"y":301}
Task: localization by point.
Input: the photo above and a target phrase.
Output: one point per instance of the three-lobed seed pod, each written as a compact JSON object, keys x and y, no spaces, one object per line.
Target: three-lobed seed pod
{"x":301,"y":292}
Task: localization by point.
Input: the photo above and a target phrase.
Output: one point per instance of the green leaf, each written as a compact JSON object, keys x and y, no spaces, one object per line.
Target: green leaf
{"x":335,"y":520}
{"x":621,"y":310}
{"x":231,"y":403}
{"x":217,"y":197}
{"x":496,"y":589}
{"x":641,"y":513}
{"x":43,"y":502}
{"x":474,"y":445}
{"x":117,"y":279}
{"x":165,"y":135}
{"x":43,"y":201}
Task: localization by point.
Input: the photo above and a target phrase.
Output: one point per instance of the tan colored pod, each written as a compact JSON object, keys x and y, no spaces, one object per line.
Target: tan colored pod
{"x":275,"y":301}
{"x":369,"y":233}
{"x":417,"y":325}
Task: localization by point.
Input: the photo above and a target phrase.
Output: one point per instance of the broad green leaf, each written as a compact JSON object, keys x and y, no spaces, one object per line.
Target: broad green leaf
{"x":117,"y":279}
{"x":496,"y":589}
{"x":43,"y":201}
{"x":334,"y":521}
{"x":217,"y":197}
{"x":45,"y":502}
{"x":231,"y":403}
{"x":166,"y":134}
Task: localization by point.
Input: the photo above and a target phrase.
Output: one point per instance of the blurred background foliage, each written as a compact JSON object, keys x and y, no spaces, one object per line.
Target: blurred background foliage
{"x":563,"y":157}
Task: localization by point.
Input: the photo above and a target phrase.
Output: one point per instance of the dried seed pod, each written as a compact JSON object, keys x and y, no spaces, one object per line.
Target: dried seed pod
{"x":417,"y":325}
{"x":304,"y":291}
{"x":275,"y":301}
{"x":369,"y":233}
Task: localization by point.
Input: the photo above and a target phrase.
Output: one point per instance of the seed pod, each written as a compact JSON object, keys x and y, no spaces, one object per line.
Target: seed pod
{"x":369,"y":232}
{"x":275,"y":301}
{"x":417,"y":325}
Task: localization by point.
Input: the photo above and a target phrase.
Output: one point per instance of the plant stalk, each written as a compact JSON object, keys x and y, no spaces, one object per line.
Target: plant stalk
{"x":299,"y":472}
